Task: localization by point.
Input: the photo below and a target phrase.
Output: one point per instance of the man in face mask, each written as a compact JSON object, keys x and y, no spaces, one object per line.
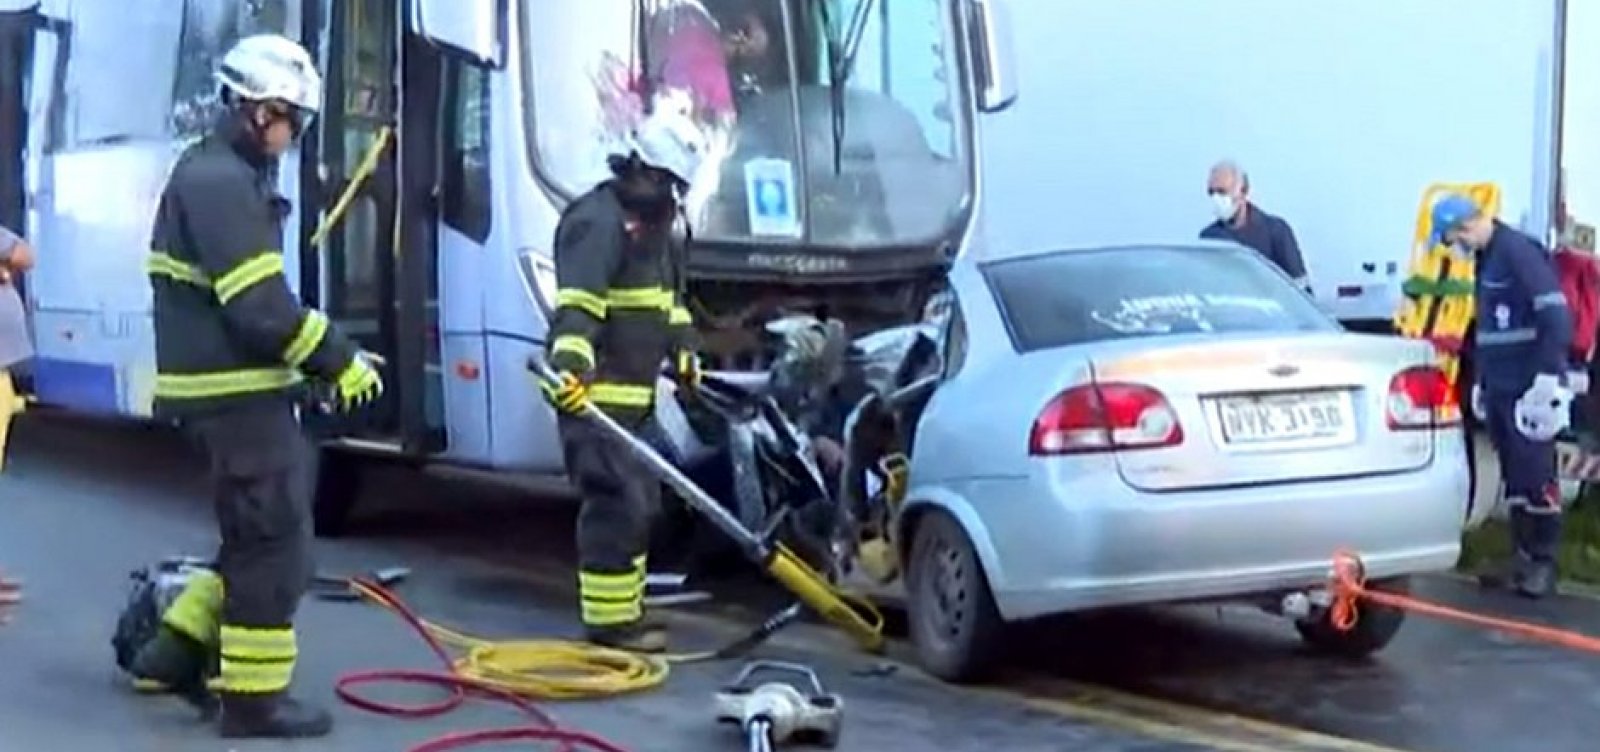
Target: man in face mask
{"x":1244,"y":223}
{"x":1520,"y":352}
{"x":620,"y":313}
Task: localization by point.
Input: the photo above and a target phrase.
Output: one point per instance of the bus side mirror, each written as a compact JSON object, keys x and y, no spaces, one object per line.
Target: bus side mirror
{"x":993,"y":55}
{"x":471,"y":28}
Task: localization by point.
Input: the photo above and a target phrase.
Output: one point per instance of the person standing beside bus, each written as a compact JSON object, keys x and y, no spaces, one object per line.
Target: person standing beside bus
{"x":232,"y":343}
{"x":619,"y":315}
{"x":16,"y":257}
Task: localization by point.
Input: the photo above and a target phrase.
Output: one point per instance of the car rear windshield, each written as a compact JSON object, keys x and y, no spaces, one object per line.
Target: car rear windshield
{"x":1075,"y":297}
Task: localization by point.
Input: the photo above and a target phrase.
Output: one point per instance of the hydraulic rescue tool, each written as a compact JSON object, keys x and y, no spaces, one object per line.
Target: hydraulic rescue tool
{"x":778,"y":712}
{"x":809,"y":586}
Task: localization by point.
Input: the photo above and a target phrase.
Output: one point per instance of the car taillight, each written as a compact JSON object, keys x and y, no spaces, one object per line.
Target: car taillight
{"x":1422,"y":397}
{"x":1105,"y":417}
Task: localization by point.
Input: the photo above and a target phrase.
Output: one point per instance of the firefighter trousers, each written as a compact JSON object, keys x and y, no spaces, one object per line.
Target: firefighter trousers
{"x":1532,"y":491}
{"x":620,"y":500}
{"x":261,"y":485}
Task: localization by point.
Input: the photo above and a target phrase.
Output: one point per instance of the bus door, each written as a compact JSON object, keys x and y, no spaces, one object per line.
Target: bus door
{"x":373,"y":271}
{"x":348,"y":175}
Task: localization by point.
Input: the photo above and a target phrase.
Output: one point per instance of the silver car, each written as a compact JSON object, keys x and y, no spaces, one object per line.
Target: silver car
{"x":1160,"y":424}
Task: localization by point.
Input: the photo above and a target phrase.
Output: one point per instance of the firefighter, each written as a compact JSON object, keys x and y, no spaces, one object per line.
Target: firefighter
{"x":1524,"y":332}
{"x":619,"y":315}
{"x":233,"y":345}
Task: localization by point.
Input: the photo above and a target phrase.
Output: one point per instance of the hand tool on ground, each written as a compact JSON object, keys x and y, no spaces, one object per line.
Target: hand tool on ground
{"x":330,"y":588}
{"x":778,"y":712}
{"x":856,"y":618}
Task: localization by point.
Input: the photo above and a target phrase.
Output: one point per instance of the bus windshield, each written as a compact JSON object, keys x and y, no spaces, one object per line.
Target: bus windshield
{"x":832,"y":123}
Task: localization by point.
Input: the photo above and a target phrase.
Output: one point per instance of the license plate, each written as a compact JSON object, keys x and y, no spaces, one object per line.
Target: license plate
{"x":1289,"y":417}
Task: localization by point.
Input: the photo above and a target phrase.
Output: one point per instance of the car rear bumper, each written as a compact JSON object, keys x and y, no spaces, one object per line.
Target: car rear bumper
{"x":1059,"y":545}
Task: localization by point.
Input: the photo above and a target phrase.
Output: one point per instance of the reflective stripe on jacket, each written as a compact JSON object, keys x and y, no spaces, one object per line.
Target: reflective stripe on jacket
{"x":619,"y":308}
{"x":1523,"y":324}
{"x":228,"y":328}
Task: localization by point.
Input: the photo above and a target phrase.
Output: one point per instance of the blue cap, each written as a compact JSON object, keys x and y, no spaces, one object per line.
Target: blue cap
{"x":1449,"y":212}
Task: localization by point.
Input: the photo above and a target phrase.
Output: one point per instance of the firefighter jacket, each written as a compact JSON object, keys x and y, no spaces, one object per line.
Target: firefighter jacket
{"x":228,"y":329}
{"x":619,"y":303}
{"x":1524,"y":327}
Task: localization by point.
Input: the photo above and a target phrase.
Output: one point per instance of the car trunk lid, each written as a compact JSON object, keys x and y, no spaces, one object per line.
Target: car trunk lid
{"x":1271,"y":410}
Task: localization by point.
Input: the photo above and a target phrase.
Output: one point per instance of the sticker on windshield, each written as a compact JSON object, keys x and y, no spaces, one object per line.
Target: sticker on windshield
{"x":1164,"y":314}
{"x":770,"y":197}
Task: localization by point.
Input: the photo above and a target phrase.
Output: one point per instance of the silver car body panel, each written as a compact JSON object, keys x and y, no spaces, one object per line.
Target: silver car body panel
{"x":1197,"y":521}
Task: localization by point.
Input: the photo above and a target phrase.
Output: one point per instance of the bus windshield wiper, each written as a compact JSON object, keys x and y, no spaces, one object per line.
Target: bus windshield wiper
{"x":842,"y":49}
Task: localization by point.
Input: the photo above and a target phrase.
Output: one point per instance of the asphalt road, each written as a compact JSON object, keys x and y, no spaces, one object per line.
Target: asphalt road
{"x":81,"y":505}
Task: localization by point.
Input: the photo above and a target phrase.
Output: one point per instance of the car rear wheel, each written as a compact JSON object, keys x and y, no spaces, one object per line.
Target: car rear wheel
{"x":1375,"y":626}
{"x":953,"y":620}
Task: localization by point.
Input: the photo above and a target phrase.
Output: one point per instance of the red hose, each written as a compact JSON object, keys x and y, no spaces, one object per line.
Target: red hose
{"x":542,"y":728}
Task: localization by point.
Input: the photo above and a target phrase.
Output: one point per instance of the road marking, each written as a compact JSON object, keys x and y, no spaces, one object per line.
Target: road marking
{"x":1157,"y":719}
{"x":1072,"y":696}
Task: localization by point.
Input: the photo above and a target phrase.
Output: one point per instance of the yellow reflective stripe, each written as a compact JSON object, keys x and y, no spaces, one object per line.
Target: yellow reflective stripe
{"x":312,"y":328}
{"x":583,"y":300}
{"x":679,"y":316}
{"x":621,"y":395}
{"x":257,"y":659}
{"x":240,"y":677}
{"x":653,"y":298}
{"x":248,"y":274}
{"x":161,"y":264}
{"x":611,"y":614}
{"x":195,"y":611}
{"x":576,"y":345}
{"x":223,"y":383}
{"x":613,"y":586}
{"x":259,"y":643}
{"x":608,"y":599}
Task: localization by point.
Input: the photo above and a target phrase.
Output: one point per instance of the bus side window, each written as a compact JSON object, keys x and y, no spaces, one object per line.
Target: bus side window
{"x":465,"y":188}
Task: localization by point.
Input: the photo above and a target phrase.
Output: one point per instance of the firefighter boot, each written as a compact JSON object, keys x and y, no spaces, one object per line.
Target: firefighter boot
{"x":643,"y":636}
{"x":272,"y":716}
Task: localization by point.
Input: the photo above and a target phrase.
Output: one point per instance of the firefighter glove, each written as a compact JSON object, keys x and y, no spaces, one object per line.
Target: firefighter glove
{"x":359,"y":384}
{"x":686,"y":368}
{"x":566,"y":393}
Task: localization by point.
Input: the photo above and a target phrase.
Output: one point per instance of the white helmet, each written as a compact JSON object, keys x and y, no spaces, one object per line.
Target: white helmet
{"x":269,"y":66}
{"x":669,"y":139}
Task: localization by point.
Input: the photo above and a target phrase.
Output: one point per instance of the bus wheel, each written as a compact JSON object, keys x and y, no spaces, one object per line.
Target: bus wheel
{"x":338,"y":487}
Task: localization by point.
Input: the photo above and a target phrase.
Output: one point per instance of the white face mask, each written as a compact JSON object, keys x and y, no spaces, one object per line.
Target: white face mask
{"x":1224,"y":207}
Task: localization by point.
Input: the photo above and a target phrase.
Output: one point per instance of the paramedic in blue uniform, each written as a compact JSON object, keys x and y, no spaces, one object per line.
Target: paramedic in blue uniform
{"x":1524,"y":330}
{"x":1241,"y":221}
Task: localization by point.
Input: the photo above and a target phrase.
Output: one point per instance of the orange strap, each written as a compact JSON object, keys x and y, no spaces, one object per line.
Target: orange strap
{"x":1349,"y":585}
